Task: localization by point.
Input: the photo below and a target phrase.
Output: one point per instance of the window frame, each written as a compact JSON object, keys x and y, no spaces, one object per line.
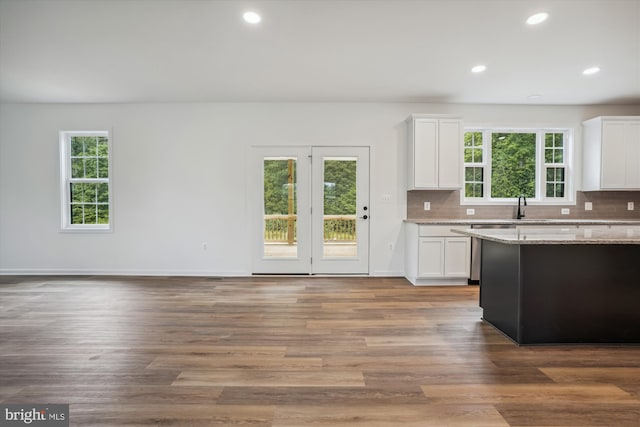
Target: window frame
{"x":541,"y":166}
{"x":481,"y":164}
{"x":555,"y":165}
{"x":66,"y":180}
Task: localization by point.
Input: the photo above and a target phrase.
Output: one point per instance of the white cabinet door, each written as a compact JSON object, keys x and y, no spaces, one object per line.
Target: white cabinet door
{"x":614,"y":154}
{"x":633,"y":154}
{"x":434,"y":153}
{"x":611,"y":153}
{"x":425,"y":153}
{"x":457,"y":256}
{"x":449,"y":153}
{"x":436,"y":255}
{"x":431,"y":257}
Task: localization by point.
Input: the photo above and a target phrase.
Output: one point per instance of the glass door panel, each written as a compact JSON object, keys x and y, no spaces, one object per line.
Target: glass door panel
{"x":279,"y":198}
{"x":339,"y":207}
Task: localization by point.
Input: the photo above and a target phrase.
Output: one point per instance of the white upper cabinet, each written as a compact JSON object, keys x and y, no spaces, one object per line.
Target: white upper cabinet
{"x":611,"y":153}
{"x":434,"y":152}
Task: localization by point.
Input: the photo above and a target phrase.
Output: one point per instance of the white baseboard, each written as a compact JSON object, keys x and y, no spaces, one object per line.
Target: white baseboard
{"x":387,"y":273}
{"x":439,"y":282}
{"x":135,"y":272}
{"x":90,"y":272}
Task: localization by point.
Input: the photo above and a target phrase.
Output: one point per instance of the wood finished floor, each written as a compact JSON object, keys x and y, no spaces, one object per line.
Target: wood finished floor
{"x":293,"y":352}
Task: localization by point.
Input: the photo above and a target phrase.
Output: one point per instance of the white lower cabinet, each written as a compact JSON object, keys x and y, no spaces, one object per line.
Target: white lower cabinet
{"x":457,"y":251}
{"x":435,"y":255}
{"x":431,"y":257}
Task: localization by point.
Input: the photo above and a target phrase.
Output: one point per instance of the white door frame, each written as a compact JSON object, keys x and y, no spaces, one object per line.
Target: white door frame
{"x":310,"y":224}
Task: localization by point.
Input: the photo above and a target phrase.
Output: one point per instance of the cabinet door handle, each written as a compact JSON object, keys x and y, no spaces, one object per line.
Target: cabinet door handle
{"x":364,"y":217}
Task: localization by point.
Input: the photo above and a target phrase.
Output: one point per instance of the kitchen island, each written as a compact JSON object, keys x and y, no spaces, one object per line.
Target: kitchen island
{"x":555,"y":286}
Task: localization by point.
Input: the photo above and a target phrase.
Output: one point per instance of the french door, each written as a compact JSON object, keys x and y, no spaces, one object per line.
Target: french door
{"x":311,"y":210}
{"x":340,"y":210}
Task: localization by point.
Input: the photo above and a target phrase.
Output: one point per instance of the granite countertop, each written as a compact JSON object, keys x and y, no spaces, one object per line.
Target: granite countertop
{"x":527,"y":221}
{"x":616,"y":234}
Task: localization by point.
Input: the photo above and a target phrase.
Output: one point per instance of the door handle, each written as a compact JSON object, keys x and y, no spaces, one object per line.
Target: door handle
{"x":364,"y":216}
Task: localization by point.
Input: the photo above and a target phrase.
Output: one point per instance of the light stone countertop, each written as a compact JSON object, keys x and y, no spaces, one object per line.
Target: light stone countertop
{"x":532,"y":222}
{"x":613,"y":235}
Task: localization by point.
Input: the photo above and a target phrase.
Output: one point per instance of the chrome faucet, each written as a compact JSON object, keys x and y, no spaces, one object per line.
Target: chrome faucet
{"x":520,"y":214}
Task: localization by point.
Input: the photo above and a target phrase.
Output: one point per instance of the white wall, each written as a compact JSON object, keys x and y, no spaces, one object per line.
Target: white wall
{"x":180,"y":178}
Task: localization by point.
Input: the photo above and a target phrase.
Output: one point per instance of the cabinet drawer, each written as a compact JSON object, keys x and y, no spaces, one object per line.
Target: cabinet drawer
{"x":440,"y":230}
{"x":563,"y":227}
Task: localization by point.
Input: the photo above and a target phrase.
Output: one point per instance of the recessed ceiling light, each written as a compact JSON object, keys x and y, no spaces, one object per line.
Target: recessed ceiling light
{"x":479,"y":69}
{"x":591,"y":70}
{"x":538,"y":18}
{"x":251,"y":17}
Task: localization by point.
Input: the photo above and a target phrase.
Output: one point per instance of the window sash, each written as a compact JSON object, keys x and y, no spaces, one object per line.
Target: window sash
{"x":67,"y":203}
{"x":474,"y":147}
{"x":555,"y":184}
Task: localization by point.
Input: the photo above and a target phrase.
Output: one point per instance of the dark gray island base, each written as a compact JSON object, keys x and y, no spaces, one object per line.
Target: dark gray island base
{"x":554,"y":292}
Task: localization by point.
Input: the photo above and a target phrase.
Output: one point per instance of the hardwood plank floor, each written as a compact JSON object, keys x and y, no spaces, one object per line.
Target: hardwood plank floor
{"x":308,"y":351}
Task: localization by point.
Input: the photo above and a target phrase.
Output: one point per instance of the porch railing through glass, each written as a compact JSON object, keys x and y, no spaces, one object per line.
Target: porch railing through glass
{"x":337,"y":228}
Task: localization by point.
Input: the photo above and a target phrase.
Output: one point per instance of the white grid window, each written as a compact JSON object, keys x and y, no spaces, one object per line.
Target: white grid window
{"x":502,"y":163}
{"x":473,"y":164}
{"x":85,"y":164}
{"x":554,"y":163}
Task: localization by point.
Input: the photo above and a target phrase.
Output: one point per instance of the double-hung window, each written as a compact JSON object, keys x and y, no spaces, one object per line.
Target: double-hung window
{"x":474,"y":164}
{"x":85,"y":164}
{"x":555,"y":164}
{"x":502,"y":164}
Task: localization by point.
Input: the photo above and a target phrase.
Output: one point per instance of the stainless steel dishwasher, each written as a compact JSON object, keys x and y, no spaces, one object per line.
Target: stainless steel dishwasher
{"x":476,"y":249}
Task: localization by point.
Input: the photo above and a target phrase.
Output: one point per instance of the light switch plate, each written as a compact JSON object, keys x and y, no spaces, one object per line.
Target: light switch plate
{"x":588,"y":206}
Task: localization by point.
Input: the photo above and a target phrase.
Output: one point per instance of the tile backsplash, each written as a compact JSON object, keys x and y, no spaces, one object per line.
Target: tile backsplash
{"x":446,"y":205}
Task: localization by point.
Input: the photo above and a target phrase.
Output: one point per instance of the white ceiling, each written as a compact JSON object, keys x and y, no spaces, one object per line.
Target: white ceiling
{"x":319,"y":50}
